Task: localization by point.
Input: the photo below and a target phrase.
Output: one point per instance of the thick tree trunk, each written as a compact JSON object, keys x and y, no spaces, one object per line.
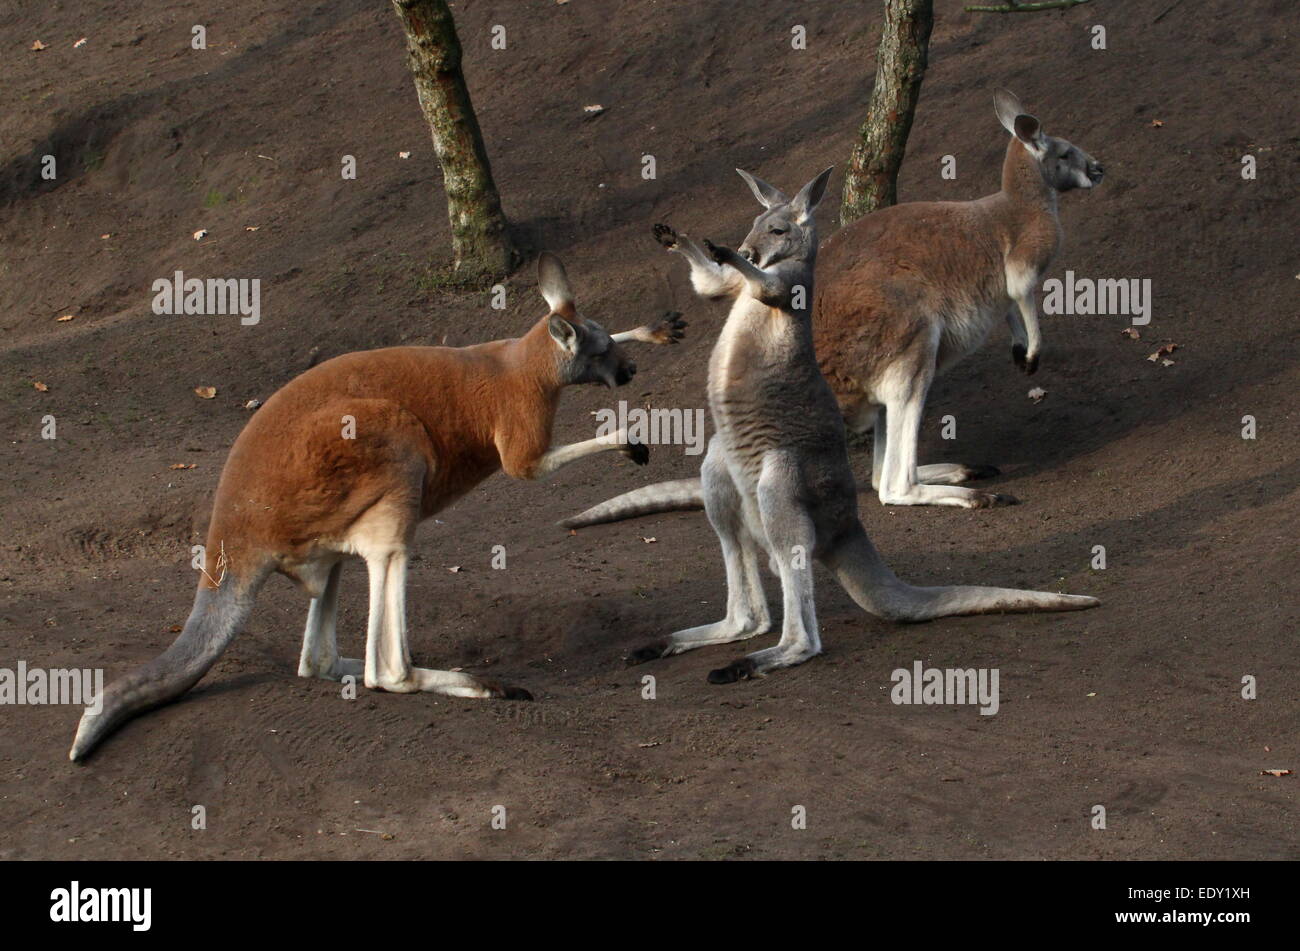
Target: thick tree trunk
{"x":480,"y":236}
{"x":872,"y":177}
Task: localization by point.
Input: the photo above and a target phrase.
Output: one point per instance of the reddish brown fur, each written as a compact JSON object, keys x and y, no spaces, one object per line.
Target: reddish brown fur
{"x":431,"y":423}
{"x":905,"y":262}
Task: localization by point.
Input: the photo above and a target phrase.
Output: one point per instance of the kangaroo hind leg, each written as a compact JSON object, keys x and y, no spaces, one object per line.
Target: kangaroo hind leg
{"x":791,"y":540}
{"x":747,"y":614}
{"x":320,"y":648}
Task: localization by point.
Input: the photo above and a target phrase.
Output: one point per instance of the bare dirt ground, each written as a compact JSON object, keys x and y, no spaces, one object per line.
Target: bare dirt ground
{"x":1135,"y":706}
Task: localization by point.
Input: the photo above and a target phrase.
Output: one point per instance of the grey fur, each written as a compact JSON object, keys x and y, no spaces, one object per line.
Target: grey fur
{"x":213,"y":623}
{"x":776,"y":480}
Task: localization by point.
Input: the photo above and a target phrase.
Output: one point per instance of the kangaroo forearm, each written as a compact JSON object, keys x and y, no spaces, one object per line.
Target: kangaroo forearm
{"x":765,"y":286}
{"x":553,"y":459}
{"x":709,"y":278}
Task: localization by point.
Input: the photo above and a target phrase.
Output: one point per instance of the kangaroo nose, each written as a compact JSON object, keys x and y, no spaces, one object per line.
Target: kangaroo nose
{"x":748,"y":253}
{"x":1095,"y":172}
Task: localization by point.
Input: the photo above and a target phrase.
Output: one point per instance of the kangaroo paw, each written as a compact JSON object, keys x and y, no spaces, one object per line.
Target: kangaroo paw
{"x":666,"y":236}
{"x":638,"y":452}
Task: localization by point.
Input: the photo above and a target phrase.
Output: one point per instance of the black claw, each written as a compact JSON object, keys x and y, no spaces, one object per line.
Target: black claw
{"x":516,"y":693}
{"x":983,"y":472}
{"x":742,"y":669}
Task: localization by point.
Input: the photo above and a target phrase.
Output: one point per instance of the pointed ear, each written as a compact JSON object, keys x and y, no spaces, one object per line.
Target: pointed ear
{"x":563,"y":333}
{"x":810,"y":196}
{"x":1029,"y":131}
{"x":766,"y":194}
{"x":1008,"y":107}
{"x":553,"y":282}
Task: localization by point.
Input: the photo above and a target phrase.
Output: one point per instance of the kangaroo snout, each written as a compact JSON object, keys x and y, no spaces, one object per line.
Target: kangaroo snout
{"x":1095,"y":172}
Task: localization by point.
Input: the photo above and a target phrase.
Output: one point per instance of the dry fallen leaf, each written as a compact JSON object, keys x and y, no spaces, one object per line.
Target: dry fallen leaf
{"x":594,"y":109}
{"x":183,"y":465}
{"x":251,"y":227}
{"x":1166,"y":363}
{"x":200,"y":234}
{"x":455,"y":569}
{"x":66,"y":317}
{"x":1275,"y":772}
{"x":1131,"y":333}
{"x":175,"y":628}
{"x":38,"y":46}
{"x":1156,"y":123}
{"x":252,"y":404}
{"x":649,"y":541}
{"x":105,"y":237}
{"x":403,"y":154}
{"x":205,"y":392}
{"x":80,"y":43}
{"x":1037,"y":393}
{"x":41,"y":386}
{"x":1166,"y":348}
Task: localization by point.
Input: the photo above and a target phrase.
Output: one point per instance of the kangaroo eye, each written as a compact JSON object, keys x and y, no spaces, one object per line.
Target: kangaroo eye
{"x":778,"y":230}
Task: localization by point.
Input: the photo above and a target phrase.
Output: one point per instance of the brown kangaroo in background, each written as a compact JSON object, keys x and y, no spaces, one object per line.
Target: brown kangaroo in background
{"x":902,"y":295}
{"x":298,"y":494}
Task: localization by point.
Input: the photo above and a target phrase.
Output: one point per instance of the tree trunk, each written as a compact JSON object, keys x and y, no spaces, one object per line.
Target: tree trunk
{"x":872,"y":178}
{"x":480,"y":236}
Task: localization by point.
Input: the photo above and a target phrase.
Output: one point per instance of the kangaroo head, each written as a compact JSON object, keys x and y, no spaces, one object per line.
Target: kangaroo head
{"x":786,"y":228}
{"x":1064,"y":166}
{"x":586,"y":353}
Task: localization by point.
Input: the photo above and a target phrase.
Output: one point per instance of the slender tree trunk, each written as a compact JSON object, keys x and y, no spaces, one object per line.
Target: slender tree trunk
{"x":872,"y":177}
{"x":480,"y":235}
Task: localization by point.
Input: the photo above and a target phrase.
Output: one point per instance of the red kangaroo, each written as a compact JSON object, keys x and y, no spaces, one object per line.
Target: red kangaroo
{"x":346,"y":460}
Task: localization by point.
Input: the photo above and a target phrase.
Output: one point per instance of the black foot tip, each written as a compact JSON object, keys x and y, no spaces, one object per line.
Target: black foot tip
{"x":983,"y":472}
{"x":516,"y":693}
{"x":742,"y":669}
{"x":644,"y":654}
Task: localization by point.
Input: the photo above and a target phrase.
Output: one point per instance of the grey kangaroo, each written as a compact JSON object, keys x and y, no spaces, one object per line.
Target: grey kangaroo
{"x":776,"y":477}
{"x":906,"y":293}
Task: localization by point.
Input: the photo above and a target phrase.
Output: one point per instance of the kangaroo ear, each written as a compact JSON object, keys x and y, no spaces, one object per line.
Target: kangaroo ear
{"x":810,"y":196}
{"x":1008,"y":107}
{"x":563,"y":333}
{"x":553,"y":282}
{"x":1029,"y":131}
{"x":767,"y":195}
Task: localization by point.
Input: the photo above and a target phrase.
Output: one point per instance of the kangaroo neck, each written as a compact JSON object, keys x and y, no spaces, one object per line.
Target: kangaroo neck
{"x":1025,"y":193}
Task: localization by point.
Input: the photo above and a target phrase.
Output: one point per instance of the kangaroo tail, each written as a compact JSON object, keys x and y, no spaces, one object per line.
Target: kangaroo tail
{"x":877,"y":590}
{"x":216,"y":617}
{"x":683,"y":495}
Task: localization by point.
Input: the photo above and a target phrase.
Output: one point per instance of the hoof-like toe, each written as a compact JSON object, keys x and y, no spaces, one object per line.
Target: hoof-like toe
{"x":742,"y":669}
{"x":648,"y":653}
